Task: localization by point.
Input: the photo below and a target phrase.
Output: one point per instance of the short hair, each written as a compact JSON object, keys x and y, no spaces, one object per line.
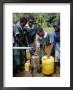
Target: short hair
{"x":23,"y":19}
{"x":40,"y":29}
{"x":31,"y":17}
{"x":56,"y":21}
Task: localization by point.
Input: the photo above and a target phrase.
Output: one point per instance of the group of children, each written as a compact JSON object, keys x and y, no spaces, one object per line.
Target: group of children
{"x":27,"y":34}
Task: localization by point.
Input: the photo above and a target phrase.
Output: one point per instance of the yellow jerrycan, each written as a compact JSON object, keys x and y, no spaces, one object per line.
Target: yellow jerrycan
{"x":47,"y":65}
{"x":27,"y":66}
{"x":28,"y":55}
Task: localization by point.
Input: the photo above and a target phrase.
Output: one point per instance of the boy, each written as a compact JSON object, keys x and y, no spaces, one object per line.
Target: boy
{"x":55,"y":41}
{"x":20,"y":38}
{"x":42,"y":39}
{"x":31,"y":31}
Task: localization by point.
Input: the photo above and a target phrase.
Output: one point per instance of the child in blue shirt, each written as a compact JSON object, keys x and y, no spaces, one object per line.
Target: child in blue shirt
{"x":55,"y":41}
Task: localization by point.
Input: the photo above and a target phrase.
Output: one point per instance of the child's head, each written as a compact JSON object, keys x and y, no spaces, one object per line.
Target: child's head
{"x":41,"y":32}
{"x":23,"y":21}
{"x":30,"y":21}
{"x":56,"y":25}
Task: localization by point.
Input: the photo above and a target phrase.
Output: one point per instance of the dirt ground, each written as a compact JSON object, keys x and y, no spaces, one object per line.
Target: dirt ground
{"x":36,"y":74}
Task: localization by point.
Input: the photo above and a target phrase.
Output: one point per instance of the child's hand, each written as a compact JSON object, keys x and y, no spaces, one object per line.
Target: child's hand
{"x":48,"y":56}
{"x":56,"y":60}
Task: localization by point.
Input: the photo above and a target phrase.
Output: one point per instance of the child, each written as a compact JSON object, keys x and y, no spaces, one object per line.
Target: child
{"x":55,"y":41}
{"x":19,"y":35}
{"x":42,"y":39}
{"x":31,"y":31}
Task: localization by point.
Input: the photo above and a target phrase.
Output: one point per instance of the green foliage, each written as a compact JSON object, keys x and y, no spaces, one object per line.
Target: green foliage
{"x":41,"y":19}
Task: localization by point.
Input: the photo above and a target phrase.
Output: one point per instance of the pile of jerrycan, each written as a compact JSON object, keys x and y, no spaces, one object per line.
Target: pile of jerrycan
{"x":34,"y":64}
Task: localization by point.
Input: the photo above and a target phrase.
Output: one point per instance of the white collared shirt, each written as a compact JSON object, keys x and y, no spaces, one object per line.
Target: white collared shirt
{"x":29,"y":26}
{"x":37,"y":43}
{"x":18,"y":24}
